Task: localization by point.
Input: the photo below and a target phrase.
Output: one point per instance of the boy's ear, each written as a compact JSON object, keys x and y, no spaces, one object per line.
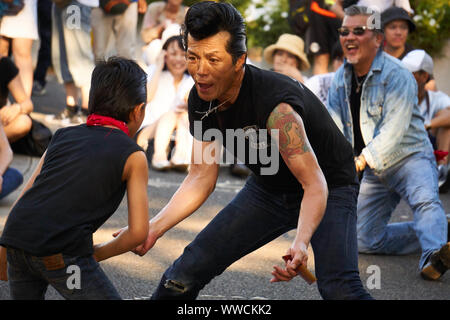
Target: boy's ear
{"x":136,"y":112}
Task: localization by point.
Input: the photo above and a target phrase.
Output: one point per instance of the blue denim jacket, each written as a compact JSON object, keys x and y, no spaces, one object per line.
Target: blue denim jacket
{"x":390,"y":120}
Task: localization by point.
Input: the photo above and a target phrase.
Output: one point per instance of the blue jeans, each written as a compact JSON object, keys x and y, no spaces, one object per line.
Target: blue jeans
{"x":415,"y":180}
{"x":29,"y":277}
{"x":12,"y":179}
{"x":257,"y":216}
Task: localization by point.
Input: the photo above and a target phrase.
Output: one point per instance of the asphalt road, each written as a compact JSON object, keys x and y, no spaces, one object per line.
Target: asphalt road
{"x":137,"y":277}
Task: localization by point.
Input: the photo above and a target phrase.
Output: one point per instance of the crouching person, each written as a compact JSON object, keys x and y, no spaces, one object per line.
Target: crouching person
{"x":78,"y":184}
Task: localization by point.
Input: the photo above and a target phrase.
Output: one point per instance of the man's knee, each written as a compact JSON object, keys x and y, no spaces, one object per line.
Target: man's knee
{"x":188,"y":274}
{"x":173,"y":288}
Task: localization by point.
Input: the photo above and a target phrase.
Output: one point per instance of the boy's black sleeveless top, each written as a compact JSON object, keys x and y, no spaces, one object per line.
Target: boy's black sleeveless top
{"x":261,"y":91}
{"x":79,"y":187}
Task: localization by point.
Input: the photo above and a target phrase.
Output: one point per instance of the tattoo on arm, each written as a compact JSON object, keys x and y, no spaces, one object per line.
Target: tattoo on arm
{"x":292,"y":137}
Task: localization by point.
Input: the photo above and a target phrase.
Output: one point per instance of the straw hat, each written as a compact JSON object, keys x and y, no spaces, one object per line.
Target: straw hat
{"x":292,"y":44}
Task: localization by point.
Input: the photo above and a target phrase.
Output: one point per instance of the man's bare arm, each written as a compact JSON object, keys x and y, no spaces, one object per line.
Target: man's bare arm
{"x":298,"y":155}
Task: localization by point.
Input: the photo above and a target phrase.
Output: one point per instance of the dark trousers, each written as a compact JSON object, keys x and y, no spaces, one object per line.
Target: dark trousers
{"x":255,"y":217}
{"x":44,"y":8}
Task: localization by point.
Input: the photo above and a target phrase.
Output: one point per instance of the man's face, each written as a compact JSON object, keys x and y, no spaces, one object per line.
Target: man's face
{"x":396,"y":33}
{"x":211,"y":66}
{"x":359,"y":49}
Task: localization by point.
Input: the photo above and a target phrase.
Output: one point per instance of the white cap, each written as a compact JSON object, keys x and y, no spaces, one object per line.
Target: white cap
{"x":417,"y":60}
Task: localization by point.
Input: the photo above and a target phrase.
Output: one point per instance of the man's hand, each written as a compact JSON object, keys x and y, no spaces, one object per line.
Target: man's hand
{"x":299,"y":254}
{"x":360,"y":163}
{"x":3,"y":264}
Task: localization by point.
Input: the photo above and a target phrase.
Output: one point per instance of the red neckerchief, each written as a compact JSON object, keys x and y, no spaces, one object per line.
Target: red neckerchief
{"x":98,"y":120}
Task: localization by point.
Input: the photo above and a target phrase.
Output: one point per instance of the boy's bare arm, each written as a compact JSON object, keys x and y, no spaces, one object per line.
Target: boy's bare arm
{"x":136,"y":174}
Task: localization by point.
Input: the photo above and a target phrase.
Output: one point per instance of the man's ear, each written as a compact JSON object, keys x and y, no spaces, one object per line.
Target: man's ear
{"x":380,"y":38}
{"x":240,"y":62}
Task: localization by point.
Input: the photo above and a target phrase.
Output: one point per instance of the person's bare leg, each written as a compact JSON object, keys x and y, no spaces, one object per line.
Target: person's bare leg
{"x":21,"y":49}
{"x":182,"y":140}
{"x":71,"y":94}
{"x":18,"y":128}
{"x":145,"y":135}
{"x":166,"y":125}
{"x":321,"y":63}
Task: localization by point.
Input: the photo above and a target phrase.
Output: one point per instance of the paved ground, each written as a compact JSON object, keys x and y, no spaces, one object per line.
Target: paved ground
{"x":137,"y":277}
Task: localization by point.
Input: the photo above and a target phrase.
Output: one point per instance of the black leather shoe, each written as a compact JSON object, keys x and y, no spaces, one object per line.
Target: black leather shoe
{"x":438,"y":263}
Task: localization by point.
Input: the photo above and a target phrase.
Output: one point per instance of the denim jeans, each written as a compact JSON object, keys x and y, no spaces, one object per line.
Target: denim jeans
{"x":29,"y":277}
{"x":12,"y":179}
{"x":415,"y":180}
{"x":255,"y":217}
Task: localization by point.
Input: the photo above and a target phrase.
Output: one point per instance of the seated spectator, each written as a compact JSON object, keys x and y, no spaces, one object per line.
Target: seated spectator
{"x":14,"y":117}
{"x":169,"y":87}
{"x":320,"y":84}
{"x":434,"y":106}
{"x":21,"y":30}
{"x":287,"y":56}
{"x":10,"y":178}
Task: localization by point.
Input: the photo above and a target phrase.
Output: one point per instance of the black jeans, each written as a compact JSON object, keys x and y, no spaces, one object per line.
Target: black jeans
{"x":255,"y":217}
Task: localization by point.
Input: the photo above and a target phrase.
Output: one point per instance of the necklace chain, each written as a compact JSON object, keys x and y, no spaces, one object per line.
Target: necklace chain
{"x":358,"y":84}
{"x":211,"y":110}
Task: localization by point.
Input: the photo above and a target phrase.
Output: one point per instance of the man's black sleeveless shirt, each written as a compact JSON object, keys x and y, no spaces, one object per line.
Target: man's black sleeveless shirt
{"x":261,"y":91}
{"x":79,"y":187}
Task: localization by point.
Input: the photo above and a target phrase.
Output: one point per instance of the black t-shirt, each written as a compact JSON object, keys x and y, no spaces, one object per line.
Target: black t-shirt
{"x":355,"y":107}
{"x":8,"y":71}
{"x":79,"y":187}
{"x":261,"y":91}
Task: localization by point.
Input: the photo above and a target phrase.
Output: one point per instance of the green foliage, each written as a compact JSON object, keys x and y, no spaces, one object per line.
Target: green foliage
{"x":432,"y":19}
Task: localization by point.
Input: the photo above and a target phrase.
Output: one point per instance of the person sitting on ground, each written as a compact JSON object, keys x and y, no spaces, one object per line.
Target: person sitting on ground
{"x":77,"y":185}
{"x":320,"y":84}
{"x":287,"y":56}
{"x":14,"y":117}
{"x":167,"y":110}
{"x":434,"y":106}
{"x":10,"y":178}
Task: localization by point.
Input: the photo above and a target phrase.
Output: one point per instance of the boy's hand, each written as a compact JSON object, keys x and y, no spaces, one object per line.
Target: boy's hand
{"x":3,"y":264}
{"x":143,"y":248}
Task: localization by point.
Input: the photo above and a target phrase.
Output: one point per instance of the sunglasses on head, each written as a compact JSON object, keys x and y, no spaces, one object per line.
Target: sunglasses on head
{"x":357,"y":31}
